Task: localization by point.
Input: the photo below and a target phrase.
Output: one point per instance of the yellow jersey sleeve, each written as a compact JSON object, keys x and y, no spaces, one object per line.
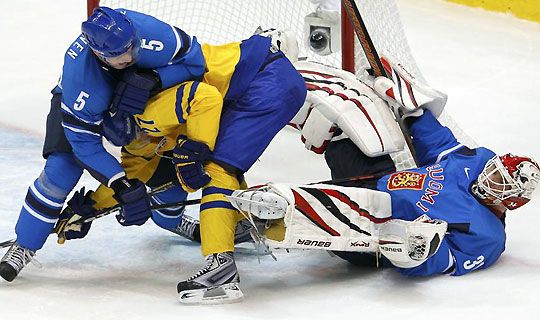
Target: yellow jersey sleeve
{"x":192,"y":108}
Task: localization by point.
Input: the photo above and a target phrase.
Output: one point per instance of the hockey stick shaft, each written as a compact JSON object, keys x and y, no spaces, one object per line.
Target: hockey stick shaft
{"x":110,"y":210}
{"x":375,"y":62}
{"x":60,"y":225}
{"x":369,"y":177}
{"x":190,"y":202}
{"x":363,"y":36}
{"x":156,"y":190}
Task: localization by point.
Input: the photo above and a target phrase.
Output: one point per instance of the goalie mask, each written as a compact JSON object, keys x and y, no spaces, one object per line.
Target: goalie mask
{"x":508,"y":180}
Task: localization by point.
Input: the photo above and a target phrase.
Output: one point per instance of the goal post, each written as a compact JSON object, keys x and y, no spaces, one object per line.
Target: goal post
{"x":90,"y":6}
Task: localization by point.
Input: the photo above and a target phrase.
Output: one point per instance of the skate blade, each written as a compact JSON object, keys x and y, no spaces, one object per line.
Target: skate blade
{"x":251,"y":250}
{"x":7,"y":244}
{"x":227,"y":293}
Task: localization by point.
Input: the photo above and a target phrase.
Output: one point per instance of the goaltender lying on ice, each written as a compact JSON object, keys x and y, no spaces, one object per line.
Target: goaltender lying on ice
{"x":445,"y":217}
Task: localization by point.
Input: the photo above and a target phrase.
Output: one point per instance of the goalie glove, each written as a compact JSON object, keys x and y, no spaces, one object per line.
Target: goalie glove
{"x":403,"y":91}
{"x":408,"y":244}
{"x":337,"y":102}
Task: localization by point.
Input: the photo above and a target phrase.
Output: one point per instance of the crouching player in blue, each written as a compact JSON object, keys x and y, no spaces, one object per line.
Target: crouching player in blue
{"x":121,"y":58}
{"x":445,"y":217}
{"x":206,"y":134}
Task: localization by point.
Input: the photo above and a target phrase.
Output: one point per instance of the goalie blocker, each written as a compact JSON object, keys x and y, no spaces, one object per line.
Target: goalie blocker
{"x":329,"y":217}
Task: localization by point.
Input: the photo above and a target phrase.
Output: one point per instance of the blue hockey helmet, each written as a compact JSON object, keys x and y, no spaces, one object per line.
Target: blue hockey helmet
{"x":110,"y":33}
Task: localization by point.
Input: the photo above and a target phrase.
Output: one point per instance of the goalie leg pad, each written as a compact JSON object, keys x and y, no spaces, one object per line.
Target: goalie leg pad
{"x":408,"y":244}
{"x":317,"y":132}
{"x":336,"y":99}
{"x":323,"y":216}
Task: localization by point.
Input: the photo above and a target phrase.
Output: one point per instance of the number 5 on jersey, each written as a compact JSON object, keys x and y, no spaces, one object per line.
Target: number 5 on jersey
{"x":81,"y":101}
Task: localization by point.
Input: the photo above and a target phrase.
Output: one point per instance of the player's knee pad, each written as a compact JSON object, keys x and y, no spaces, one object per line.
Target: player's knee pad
{"x":61,"y":174}
{"x":38,"y":215}
{"x":168,"y":218}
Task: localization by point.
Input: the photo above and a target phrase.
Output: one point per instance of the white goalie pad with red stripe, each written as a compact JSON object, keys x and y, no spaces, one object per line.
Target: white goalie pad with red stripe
{"x":331,"y":217}
{"x":338,"y":103}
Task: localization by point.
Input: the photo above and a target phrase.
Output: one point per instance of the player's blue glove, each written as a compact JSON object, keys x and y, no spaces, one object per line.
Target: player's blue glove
{"x":134,"y":201}
{"x":134,"y":90}
{"x":119,"y":128}
{"x":188,"y":158}
{"x":79,"y":206}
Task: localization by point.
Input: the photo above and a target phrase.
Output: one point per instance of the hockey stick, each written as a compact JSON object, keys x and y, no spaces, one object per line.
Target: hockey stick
{"x":109,"y":210}
{"x":369,"y":177}
{"x":61,"y":224}
{"x":375,"y":62}
{"x":104,"y":212}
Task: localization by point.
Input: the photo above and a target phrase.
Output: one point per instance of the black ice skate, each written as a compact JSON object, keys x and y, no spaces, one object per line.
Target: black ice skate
{"x":14,"y":261}
{"x":215,"y":283}
{"x":189,"y":228}
{"x":242,"y":233}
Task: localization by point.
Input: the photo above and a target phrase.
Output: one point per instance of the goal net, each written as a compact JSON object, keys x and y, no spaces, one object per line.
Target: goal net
{"x":219,"y":22}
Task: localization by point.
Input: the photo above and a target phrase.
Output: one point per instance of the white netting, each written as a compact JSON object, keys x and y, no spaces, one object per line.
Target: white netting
{"x":217,"y":22}
{"x":384,"y":26}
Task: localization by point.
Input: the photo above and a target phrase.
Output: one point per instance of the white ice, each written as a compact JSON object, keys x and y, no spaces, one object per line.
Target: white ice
{"x":487,"y":62}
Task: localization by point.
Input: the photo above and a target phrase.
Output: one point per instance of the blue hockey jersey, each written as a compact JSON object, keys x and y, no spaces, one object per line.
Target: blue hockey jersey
{"x":440,"y":188}
{"x":87,"y":86}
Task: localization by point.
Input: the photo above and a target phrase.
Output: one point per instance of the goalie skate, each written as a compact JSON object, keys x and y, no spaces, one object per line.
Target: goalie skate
{"x":262,"y":202}
{"x":216,"y":283}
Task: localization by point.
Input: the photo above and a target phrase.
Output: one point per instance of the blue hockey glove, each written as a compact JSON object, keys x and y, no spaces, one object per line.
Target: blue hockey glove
{"x":134,"y":201}
{"x":188,"y":158}
{"x":119,"y":128}
{"x":134,"y":90}
{"x":79,"y":206}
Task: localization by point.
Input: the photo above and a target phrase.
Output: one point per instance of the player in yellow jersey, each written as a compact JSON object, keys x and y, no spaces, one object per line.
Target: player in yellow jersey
{"x":213,"y":130}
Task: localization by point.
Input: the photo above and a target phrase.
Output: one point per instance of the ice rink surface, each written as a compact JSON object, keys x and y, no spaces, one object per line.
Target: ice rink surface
{"x":488,"y":64}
